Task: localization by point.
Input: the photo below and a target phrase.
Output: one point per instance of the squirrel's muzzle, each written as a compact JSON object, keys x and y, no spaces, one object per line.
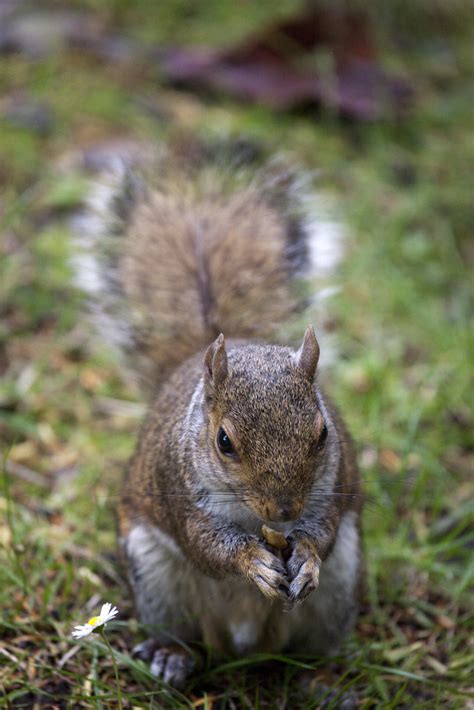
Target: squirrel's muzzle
{"x":276,"y":511}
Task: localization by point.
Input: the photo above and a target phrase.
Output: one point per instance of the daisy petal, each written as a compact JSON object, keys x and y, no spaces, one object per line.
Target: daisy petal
{"x":105,"y":609}
{"x":81,"y":631}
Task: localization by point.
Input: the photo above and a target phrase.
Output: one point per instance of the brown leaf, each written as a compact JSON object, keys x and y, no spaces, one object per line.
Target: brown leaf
{"x":389,"y":460}
{"x":25,"y":451}
{"x":278,"y":66}
{"x":445,"y":622}
{"x":91,"y":379}
{"x":207,"y":702}
{"x":436,"y":665}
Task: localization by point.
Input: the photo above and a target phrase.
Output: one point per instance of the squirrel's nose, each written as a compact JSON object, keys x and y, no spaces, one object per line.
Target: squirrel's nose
{"x":282,"y":513}
{"x":286,"y":512}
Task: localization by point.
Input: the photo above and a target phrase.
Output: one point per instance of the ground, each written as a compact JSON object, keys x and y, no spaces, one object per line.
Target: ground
{"x":68,"y":420}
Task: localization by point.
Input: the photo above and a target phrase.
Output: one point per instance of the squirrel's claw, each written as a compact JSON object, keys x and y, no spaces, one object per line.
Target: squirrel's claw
{"x":168,"y":663}
{"x":303,"y":570}
{"x":172,"y":665}
{"x":145,"y":649}
{"x":269,"y":574}
{"x":305,"y":582}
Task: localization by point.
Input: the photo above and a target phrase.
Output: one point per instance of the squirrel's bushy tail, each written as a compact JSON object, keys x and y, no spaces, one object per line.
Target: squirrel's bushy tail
{"x":190,"y":250}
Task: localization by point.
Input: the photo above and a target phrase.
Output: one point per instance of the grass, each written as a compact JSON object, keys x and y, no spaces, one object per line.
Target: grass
{"x":402,"y":381}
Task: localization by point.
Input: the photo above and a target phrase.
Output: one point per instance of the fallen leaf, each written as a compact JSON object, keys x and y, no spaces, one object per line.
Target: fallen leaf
{"x":206,"y":702}
{"x":389,"y":460}
{"x":445,"y":622}
{"x":26,"y":451}
{"x":91,"y":379}
{"x":278,"y":66}
{"x":436,"y":665}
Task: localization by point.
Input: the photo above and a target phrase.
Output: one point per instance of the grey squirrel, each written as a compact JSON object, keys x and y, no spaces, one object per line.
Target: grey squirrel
{"x":239,"y":432}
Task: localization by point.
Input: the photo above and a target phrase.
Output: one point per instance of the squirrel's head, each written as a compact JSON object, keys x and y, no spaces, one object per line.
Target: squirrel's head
{"x":265,"y":432}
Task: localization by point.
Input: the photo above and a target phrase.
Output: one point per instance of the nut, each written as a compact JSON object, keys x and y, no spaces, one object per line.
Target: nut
{"x":274,"y":538}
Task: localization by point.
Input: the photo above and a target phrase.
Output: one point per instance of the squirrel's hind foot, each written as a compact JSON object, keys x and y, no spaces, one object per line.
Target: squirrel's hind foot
{"x":172,"y":664}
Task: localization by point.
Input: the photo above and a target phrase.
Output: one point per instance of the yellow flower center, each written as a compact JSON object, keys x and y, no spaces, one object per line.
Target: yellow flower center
{"x":94,"y":620}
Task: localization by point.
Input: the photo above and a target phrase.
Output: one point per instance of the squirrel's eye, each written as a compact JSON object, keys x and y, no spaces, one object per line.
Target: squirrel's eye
{"x":224,"y":443}
{"x":322,"y":438}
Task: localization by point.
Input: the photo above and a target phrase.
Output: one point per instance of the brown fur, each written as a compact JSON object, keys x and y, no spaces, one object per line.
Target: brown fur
{"x":198,"y":256}
{"x":192,"y":254}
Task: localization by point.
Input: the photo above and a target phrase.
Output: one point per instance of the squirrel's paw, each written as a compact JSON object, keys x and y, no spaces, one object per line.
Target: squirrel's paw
{"x":169,"y":663}
{"x":303,"y":567}
{"x":267,"y":572}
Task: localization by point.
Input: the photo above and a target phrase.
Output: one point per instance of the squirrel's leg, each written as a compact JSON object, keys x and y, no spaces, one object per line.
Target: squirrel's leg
{"x":163,"y":587}
{"x":328,"y":614}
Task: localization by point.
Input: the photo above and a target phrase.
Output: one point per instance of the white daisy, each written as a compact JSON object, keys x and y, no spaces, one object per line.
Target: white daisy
{"x":106,"y":614}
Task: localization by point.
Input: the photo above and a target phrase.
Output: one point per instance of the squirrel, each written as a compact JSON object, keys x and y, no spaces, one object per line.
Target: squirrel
{"x":239,"y":433}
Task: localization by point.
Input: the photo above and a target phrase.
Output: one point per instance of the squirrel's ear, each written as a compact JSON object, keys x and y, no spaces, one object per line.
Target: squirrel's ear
{"x":215,"y":365}
{"x":308,"y":355}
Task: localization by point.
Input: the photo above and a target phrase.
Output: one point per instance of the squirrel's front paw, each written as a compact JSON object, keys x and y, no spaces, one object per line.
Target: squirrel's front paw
{"x":303,"y":566}
{"x":266,"y":571}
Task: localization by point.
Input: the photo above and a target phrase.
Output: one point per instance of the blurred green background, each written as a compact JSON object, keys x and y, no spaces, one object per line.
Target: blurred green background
{"x":68,"y":421}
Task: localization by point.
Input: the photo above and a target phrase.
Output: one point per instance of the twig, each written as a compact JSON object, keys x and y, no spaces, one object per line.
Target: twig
{"x":68,"y":655}
{"x":26,"y":474}
{"x":13,"y":658}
